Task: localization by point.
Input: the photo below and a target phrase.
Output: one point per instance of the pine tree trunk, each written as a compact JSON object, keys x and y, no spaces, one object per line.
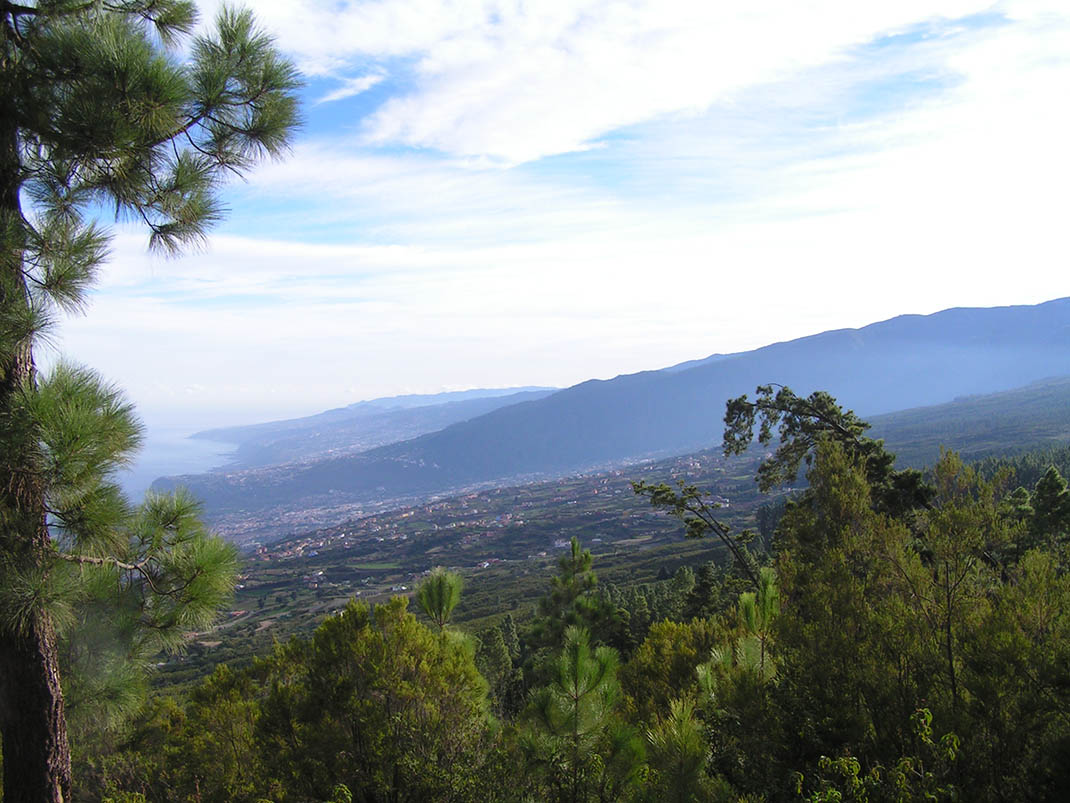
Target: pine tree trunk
{"x":37,"y":763}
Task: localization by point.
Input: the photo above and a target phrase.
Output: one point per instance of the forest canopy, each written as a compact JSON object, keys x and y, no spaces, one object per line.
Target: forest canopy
{"x":879,"y":652}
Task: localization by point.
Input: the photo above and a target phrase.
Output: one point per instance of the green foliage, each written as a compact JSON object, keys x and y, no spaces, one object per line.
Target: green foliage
{"x":341,"y":794}
{"x":823,"y":679}
{"x":639,"y":616}
{"x":510,"y":636}
{"x":960,"y":532}
{"x":572,"y":601}
{"x":67,"y":436}
{"x":1014,"y":676}
{"x":918,"y":777}
{"x":573,"y":742}
{"x":663,"y":667}
{"x":736,"y":688}
{"x":374,"y":702}
{"x":751,"y":652}
{"x":641,"y":605}
{"x":149,"y":760}
{"x":1027,"y":469}
{"x":496,"y":666}
{"x":848,"y":572}
{"x":768,"y":517}
{"x":379,"y":703}
{"x":86,"y":431}
{"x":689,"y":505}
{"x":438,"y":595}
{"x":800,"y":425}
{"x":170,"y":577}
{"x":104,"y":114}
{"x":885,"y":618}
{"x":677,"y":753}
{"x":98,"y":111}
{"x":1050,"y":502}
{"x":714,"y":592}
{"x":220,"y":749}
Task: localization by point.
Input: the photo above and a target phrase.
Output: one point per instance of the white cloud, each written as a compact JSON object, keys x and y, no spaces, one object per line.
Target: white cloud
{"x":753,"y":198}
{"x":520,"y":81}
{"x":352,"y":87}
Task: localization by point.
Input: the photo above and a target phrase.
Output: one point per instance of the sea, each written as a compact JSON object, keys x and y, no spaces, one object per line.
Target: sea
{"x":170,"y":450}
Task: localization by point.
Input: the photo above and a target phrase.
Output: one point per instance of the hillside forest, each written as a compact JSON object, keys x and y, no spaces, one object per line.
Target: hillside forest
{"x":903,"y":635}
{"x":888,"y":633}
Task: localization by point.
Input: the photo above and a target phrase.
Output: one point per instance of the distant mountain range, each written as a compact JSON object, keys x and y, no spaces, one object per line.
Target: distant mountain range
{"x":361,"y":426}
{"x":906,"y":362}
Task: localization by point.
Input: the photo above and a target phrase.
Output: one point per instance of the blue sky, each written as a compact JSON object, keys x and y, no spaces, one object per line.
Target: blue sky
{"x":502,"y":193}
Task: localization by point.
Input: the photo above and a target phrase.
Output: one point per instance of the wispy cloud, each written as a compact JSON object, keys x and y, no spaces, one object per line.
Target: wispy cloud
{"x":352,"y":87}
{"x":518,"y":82}
{"x":547,"y":192}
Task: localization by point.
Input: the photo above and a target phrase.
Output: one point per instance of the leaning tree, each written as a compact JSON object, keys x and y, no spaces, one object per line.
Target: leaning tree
{"x":106,"y":108}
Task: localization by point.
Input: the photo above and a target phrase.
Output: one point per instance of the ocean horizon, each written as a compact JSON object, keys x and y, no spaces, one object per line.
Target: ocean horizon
{"x":168,"y":451}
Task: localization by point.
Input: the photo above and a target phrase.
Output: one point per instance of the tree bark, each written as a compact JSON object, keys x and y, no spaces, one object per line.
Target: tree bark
{"x":37,"y":763}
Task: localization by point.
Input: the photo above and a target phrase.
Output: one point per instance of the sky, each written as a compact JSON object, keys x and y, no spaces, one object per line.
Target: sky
{"x":497,"y":193}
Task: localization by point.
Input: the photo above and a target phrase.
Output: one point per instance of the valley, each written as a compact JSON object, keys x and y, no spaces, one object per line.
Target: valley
{"x":505,"y":541}
{"x":904,"y":363}
{"x":506,"y":402}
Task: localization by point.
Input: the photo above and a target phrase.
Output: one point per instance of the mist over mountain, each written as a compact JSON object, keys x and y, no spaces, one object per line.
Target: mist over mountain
{"x":683,"y":366}
{"x":1026,"y":418}
{"x":905,"y":362}
{"x":361,"y":426}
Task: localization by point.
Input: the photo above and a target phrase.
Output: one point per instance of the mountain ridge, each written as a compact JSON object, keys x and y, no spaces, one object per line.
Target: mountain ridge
{"x":903,"y":362}
{"x":360,"y":426}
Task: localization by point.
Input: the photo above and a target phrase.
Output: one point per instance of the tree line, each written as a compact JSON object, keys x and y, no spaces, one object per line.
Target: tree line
{"x":901,"y":637}
{"x":887,"y":635}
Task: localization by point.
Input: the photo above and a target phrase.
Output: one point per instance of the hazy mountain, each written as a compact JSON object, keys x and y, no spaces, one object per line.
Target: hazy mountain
{"x":361,"y":426}
{"x":1036,"y":415}
{"x":905,"y":362}
{"x":683,"y":366}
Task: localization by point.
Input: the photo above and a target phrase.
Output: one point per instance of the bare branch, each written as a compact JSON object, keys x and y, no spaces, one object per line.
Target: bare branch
{"x":95,"y":561}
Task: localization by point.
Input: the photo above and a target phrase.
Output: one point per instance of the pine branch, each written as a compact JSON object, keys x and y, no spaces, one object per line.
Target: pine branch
{"x":107,"y":561}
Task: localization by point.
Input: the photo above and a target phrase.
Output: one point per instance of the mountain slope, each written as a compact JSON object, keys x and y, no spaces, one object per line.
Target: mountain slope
{"x":908,"y":361}
{"x":1037,"y":415}
{"x":361,"y":426}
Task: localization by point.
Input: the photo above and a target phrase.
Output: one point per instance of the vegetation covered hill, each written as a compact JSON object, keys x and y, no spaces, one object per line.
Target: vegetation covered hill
{"x":361,"y":426}
{"x":505,"y":540}
{"x":901,"y":363}
{"x":1029,"y":418}
{"x":904,"y":637}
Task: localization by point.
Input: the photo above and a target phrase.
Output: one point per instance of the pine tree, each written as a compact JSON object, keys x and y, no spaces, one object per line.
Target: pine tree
{"x":1051,"y":508}
{"x":705,"y":598}
{"x":438,"y":595}
{"x":800,"y":425}
{"x":378,"y":702}
{"x":494,"y":664}
{"x":509,"y":634}
{"x":573,"y":601}
{"x":639,"y":615}
{"x":677,"y":755}
{"x":97,"y":111}
{"x":683,"y":583}
{"x":572,"y":737}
